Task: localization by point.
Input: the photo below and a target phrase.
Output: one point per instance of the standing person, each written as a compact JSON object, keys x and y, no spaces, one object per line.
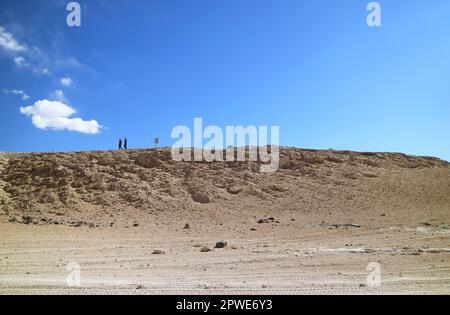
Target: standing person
{"x":125,"y":143}
{"x":120,"y":144}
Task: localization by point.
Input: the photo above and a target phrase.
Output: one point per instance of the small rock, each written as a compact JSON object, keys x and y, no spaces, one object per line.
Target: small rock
{"x":350,"y":175}
{"x":421,"y":230}
{"x":220,"y":184}
{"x":26,"y":220}
{"x":234,"y":190}
{"x":139,"y":287}
{"x":158,"y":252}
{"x":370,"y":175}
{"x":221,"y":244}
{"x":346,"y":225}
{"x":205,"y":249}
{"x":187,"y":226}
{"x":200,"y":197}
{"x":12,"y":220}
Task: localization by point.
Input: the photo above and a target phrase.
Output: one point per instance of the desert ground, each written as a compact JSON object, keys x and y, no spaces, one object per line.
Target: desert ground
{"x":137,"y":222}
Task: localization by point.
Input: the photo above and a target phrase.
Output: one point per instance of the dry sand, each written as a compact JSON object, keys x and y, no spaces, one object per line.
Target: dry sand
{"x":311,"y":228}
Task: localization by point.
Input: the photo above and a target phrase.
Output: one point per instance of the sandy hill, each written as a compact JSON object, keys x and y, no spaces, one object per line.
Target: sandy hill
{"x":137,"y":222}
{"x":135,"y":187}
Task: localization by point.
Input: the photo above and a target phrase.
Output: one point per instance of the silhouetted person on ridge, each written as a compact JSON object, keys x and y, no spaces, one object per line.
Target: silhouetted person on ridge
{"x":125,"y":143}
{"x":120,"y":144}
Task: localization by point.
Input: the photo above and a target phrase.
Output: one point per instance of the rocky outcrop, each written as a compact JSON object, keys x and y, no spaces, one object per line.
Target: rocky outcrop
{"x":36,"y":188}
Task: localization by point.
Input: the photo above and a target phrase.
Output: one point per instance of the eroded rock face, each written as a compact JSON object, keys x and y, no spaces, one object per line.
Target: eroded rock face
{"x":103,"y":187}
{"x":147,"y":161}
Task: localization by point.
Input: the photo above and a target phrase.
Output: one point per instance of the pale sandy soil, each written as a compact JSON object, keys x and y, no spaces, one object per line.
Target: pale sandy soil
{"x":108,"y":212}
{"x":34,"y":260}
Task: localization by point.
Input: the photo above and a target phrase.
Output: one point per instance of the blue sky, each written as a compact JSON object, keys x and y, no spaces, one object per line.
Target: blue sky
{"x":139,"y":68}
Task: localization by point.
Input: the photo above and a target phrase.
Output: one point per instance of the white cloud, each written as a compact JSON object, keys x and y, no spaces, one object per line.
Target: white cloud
{"x":67,"y":62}
{"x":59,"y":96}
{"x":9,"y":43}
{"x":21,"y":93}
{"x":66,"y":81}
{"x":56,"y":115}
{"x":43,"y":71}
{"x":20,"y":61}
{"x":33,"y":57}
